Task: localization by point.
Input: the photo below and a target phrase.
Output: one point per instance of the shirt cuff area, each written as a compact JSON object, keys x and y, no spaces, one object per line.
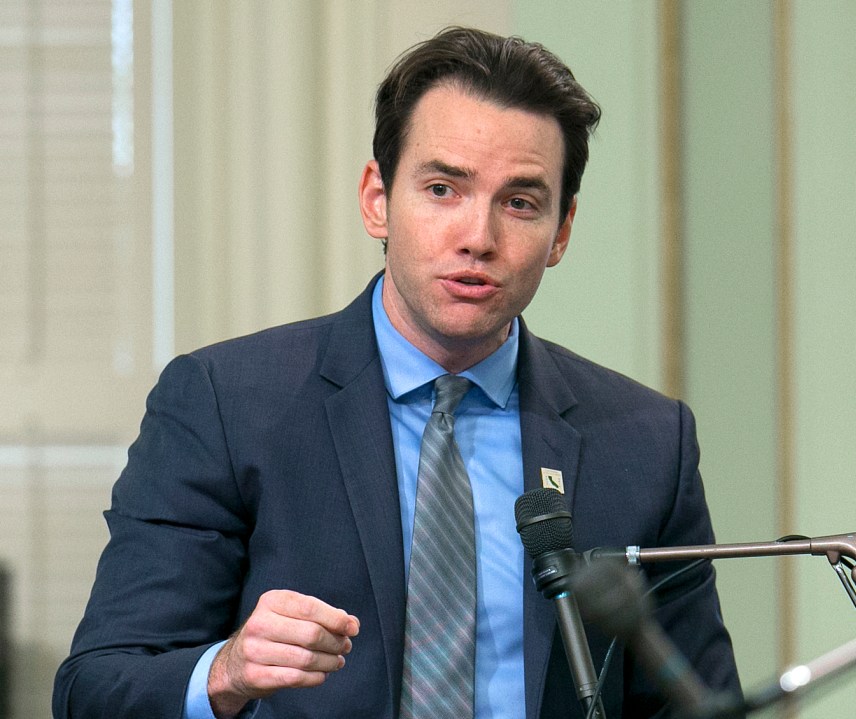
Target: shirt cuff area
{"x":196,"y":703}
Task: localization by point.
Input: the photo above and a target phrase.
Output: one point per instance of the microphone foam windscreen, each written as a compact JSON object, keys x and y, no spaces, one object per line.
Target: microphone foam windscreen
{"x":543,"y":521}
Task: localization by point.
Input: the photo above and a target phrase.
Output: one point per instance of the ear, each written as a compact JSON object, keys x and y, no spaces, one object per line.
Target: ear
{"x":560,"y":244}
{"x":373,"y":201}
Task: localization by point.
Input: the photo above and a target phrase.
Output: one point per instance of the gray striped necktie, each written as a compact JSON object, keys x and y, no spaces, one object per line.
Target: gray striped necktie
{"x":439,"y":637}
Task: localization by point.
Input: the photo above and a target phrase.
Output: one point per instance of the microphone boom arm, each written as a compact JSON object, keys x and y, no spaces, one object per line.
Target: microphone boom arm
{"x":839,"y":549}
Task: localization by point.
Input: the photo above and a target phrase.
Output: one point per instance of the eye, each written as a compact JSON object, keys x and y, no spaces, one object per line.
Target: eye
{"x":518,"y":203}
{"x":439,"y":190}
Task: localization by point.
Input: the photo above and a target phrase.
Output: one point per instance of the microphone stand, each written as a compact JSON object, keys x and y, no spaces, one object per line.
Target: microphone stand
{"x":552,"y":565}
{"x":802,"y":677}
{"x":611,"y":595}
{"x":839,"y":549}
{"x":793,"y":683}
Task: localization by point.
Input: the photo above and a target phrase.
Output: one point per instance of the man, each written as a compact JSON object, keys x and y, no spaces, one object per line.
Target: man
{"x":261,"y":533}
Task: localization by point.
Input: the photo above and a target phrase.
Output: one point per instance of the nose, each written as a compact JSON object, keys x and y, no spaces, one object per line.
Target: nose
{"x":479,"y":232}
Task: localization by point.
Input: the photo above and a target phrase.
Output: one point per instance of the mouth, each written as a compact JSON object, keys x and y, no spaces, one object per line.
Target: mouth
{"x":473,"y":279}
{"x":471,"y":286}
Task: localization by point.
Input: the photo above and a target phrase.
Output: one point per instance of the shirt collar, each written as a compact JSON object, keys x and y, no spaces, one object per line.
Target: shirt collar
{"x":406,"y":368}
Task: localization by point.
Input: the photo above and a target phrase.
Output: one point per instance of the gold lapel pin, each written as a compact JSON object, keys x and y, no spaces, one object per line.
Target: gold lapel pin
{"x":552,"y":479}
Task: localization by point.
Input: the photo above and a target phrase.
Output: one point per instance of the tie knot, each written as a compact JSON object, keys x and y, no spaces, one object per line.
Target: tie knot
{"x":450,"y":391}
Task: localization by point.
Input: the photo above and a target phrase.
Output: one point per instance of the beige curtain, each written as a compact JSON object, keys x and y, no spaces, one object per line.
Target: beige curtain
{"x":270,"y":121}
{"x":273,"y":124}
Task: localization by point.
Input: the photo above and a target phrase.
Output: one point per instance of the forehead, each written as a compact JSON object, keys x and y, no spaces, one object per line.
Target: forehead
{"x":457,"y":127}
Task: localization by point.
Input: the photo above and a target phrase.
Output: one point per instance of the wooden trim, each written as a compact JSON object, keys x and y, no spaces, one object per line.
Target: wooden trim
{"x":784,"y":315}
{"x":671,"y":201}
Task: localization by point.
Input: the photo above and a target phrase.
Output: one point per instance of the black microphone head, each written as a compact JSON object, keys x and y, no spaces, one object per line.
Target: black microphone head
{"x":543,"y":521}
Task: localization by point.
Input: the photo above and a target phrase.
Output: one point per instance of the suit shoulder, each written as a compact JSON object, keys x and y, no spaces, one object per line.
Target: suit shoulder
{"x":304,"y":340}
{"x":275,"y":358}
{"x":294,"y":335}
{"x":592,"y":381}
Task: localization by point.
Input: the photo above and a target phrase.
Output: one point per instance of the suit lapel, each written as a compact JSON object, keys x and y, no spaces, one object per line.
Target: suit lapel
{"x":359,"y":422}
{"x":550,"y":442}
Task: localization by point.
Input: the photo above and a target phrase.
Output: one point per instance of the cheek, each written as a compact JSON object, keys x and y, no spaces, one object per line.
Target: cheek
{"x":535,"y":256}
{"x":407,"y":233}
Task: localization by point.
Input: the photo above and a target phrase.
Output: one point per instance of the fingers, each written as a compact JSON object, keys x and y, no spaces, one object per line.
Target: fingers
{"x":300,"y":607}
{"x":290,"y":640}
{"x":297,"y":631}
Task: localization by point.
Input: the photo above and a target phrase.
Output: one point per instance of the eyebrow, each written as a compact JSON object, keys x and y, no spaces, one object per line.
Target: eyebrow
{"x":523,"y":182}
{"x":438,"y":166}
{"x":528,"y":182}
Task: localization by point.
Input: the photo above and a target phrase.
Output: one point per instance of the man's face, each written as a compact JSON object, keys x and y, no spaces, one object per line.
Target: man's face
{"x":471,"y":223}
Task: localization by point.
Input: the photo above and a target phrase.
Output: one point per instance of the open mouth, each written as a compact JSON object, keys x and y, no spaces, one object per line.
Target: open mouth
{"x":471,"y":287}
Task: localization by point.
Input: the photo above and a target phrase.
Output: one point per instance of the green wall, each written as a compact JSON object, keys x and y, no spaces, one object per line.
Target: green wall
{"x":604,"y":300}
{"x":824,"y":216}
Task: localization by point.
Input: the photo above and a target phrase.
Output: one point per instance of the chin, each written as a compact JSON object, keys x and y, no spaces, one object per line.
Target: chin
{"x":474,"y":334}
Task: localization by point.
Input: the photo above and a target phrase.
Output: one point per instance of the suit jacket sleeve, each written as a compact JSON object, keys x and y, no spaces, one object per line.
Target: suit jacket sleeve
{"x":687,"y":606}
{"x":264,"y":462}
{"x":168,"y":580}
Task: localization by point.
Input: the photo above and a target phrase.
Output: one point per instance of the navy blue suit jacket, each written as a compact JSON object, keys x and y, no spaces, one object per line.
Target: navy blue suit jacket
{"x":267,"y":462}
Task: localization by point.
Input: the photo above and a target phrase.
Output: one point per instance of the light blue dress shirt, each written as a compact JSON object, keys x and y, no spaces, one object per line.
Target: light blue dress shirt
{"x":487,"y":429}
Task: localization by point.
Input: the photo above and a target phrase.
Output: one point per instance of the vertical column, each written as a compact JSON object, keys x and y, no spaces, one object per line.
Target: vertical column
{"x":730,"y":247}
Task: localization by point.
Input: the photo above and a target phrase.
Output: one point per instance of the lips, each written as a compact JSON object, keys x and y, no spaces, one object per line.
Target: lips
{"x":470,"y":285}
{"x":475,"y":279}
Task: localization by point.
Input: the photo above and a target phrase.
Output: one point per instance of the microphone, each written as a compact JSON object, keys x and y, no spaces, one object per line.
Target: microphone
{"x":613,"y":596}
{"x":545,"y":528}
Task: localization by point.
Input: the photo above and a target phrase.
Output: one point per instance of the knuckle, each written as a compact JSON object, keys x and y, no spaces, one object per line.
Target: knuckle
{"x":251,"y":649}
{"x":315,"y":635}
{"x":300,"y":658}
{"x":252,"y":627}
{"x":258,"y":678}
{"x":267,"y":599}
{"x":304,"y":606}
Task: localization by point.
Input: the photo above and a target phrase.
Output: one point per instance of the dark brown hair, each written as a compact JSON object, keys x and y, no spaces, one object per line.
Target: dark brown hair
{"x":507,"y":71}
